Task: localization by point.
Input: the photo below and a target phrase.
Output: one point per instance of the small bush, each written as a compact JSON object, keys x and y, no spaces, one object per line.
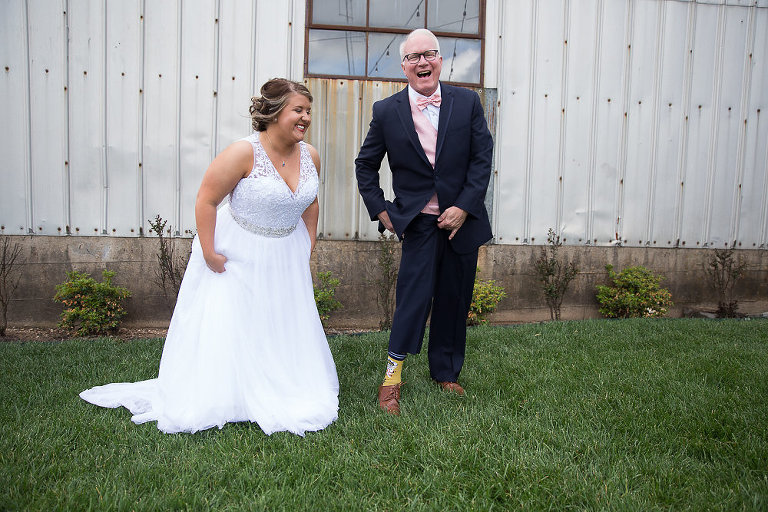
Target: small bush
{"x":325,"y":295}
{"x":724,"y":269}
{"x":635,"y":293}
{"x":383,"y":276}
{"x":91,"y":307}
{"x":554,"y":275}
{"x":486,"y":295}
{"x":170,"y":266}
{"x":9,"y":277}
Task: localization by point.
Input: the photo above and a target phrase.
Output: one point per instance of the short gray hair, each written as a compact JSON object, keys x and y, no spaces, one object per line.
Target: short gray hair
{"x":418,"y":31}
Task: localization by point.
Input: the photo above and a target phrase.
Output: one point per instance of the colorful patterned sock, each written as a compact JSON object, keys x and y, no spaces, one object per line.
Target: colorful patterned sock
{"x":394,"y":370}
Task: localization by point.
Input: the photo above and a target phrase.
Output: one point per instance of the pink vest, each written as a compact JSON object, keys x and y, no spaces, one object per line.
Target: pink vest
{"x":428,"y":138}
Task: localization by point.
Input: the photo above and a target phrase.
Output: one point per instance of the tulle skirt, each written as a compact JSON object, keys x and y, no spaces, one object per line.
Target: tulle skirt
{"x":243,"y":345}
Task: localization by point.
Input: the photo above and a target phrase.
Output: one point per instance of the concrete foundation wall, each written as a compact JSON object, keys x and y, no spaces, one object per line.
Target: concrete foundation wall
{"x":45,"y":260}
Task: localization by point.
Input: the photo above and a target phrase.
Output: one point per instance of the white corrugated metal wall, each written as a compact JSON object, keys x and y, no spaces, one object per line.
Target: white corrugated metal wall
{"x":112,"y":110}
{"x":618,"y":121}
{"x":632,"y":121}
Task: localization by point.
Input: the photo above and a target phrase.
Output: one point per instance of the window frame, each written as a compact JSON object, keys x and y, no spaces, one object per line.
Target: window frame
{"x":367,"y":29}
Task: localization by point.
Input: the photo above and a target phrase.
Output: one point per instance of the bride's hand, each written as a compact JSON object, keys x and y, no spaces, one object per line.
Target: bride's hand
{"x":216,"y":262}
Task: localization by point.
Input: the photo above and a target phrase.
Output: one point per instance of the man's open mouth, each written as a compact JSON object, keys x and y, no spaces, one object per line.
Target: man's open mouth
{"x":423,"y":74}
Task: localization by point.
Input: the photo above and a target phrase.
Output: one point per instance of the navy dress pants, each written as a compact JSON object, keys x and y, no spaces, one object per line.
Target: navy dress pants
{"x":433,"y":277}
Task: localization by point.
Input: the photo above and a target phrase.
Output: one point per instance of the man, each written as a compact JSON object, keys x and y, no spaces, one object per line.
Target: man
{"x":439,"y":149}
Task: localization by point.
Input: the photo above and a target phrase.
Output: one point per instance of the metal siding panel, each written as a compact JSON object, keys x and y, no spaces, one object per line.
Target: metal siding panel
{"x":197,"y":83}
{"x":236,"y":57}
{"x":273,"y":29}
{"x":514,"y":131}
{"x":341,"y":123}
{"x":700,"y":128}
{"x":754,"y":205}
{"x":640,"y":123}
{"x":728,"y":128}
{"x":372,"y":92}
{"x":87,"y":48}
{"x":670,"y":113}
{"x":579,"y":130}
{"x":14,"y":111}
{"x":48,"y":116}
{"x":609,"y":123}
{"x":550,"y":89}
{"x":160,"y":163}
{"x":124,"y":73}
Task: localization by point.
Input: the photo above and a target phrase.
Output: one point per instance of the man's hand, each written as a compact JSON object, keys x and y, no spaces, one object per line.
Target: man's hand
{"x":452,"y":219}
{"x":384,"y":218}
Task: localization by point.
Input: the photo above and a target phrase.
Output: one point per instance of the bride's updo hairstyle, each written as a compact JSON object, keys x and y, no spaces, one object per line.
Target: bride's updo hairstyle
{"x":264,"y":109}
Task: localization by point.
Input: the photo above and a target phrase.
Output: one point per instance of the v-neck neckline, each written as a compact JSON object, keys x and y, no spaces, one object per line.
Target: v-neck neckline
{"x":282,"y":178}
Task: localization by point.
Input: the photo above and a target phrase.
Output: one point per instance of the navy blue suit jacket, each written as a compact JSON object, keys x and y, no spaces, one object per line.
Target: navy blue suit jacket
{"x":462,"y":164}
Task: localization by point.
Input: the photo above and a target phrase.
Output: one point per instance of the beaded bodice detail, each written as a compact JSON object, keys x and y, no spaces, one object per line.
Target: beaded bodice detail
{"x":263,"y":202}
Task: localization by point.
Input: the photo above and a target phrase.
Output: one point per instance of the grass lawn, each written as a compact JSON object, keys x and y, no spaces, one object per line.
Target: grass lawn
{"x":589,"y":415}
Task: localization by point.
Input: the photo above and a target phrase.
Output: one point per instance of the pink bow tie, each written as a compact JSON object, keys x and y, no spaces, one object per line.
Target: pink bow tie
{"x":423,"y":102}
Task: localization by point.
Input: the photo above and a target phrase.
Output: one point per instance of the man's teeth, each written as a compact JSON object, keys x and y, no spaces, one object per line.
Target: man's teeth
{"x":423,"y":74}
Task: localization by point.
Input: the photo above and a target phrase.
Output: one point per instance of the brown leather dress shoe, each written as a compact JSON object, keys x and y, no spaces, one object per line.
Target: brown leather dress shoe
{"x":389,"y":398}
{"x":452,"y":386}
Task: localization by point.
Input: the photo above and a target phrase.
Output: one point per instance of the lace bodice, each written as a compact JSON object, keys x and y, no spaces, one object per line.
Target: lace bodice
{"x":264,"y":203}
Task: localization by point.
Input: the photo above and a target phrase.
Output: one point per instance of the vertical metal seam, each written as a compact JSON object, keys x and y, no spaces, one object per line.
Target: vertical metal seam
{"x":105,"y":127}
{"x":324,"y":172}
{"x":254,"y":53}
{"x":67,"y":178}
{"x":179,"y":78}
{"x":746,"y":85}
{"x":290,"y":64}
{"x":626,"y":91}
{"x":682,"y":160}
{"x":28,"y":101}
{"x":717,"y":81}
{"x":764,"y":224}
{"x":501,"y":13}
{"x":529,"y":136}
{"x":591,"y":157}
{"x":142,"y":111}
{"x":216,"y":79}
{"x":559,"y":191}
{"x":655,"y":106}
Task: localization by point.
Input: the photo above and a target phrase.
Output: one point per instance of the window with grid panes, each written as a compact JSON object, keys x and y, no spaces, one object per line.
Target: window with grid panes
{"x":360,"y":39}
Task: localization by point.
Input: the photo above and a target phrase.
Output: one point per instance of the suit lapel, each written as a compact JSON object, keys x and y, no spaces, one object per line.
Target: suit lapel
{"x":446,"y":108}
{"x":406,"y":118}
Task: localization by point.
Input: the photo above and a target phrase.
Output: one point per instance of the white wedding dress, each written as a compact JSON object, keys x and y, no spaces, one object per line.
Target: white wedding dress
{"x":246,"y":344}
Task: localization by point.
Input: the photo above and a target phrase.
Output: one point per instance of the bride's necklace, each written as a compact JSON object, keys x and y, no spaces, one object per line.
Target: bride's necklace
{"x":272,"y":145}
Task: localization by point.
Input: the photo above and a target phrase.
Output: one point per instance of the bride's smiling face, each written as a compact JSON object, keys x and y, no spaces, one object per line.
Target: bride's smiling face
{"x":295,"y":118}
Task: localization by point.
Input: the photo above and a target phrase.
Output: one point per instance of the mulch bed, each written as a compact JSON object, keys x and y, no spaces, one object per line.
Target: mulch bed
{"x":124,"y":333}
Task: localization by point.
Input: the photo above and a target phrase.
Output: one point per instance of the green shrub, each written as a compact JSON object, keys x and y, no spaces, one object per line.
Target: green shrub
{"x":486,"y":295}
{"x":91,"y":307}
{"x":325,"y":295}
{"x":635,"y":293}
{"x":554,"y":274}
{"x":724,"y":269}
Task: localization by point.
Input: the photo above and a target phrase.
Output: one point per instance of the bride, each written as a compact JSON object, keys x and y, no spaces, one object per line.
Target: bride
{"x":245,"y":341}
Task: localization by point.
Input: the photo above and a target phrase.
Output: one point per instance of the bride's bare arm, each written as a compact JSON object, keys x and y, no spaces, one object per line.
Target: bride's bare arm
{"x":226,"y":170}
{"x":312,"y":213}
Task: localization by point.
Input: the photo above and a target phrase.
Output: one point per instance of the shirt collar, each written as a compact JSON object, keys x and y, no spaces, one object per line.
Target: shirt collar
{"x":413,"y":95}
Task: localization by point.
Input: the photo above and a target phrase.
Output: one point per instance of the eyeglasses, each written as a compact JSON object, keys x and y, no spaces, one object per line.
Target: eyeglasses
{"x":414,"y":58}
